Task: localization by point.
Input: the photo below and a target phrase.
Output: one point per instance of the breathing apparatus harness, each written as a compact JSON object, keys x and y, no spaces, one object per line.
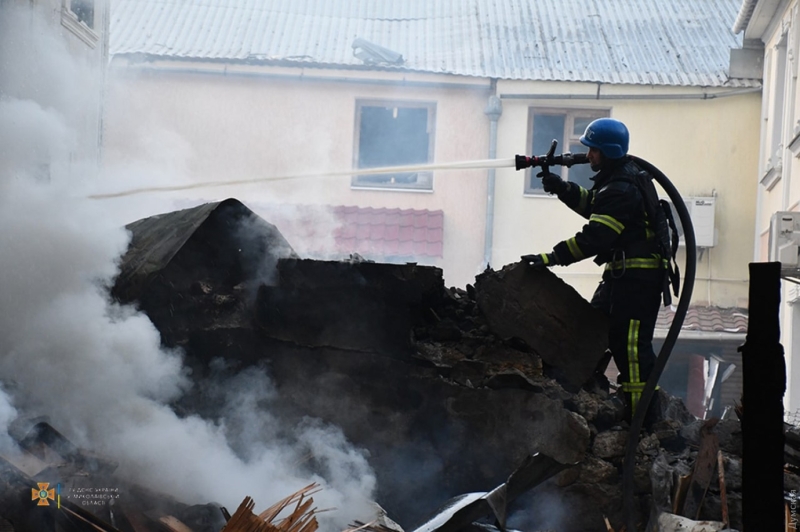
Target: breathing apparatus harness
{"x":568,"y":159}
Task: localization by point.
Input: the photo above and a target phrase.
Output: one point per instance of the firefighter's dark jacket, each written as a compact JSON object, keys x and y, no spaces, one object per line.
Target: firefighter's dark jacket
{"x":618,"y":233}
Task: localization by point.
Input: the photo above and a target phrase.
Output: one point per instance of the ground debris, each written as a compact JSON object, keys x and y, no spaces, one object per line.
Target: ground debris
{"x":463,"y":383}
{"x":465,"y":509}
{"x":301,"y":519}
{"x":675,"y":523}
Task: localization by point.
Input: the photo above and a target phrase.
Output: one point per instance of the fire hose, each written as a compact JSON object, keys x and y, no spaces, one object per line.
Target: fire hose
{"x":629,"y":463}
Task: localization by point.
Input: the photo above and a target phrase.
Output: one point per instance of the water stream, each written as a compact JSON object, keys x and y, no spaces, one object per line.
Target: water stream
{"x":463,"y":165}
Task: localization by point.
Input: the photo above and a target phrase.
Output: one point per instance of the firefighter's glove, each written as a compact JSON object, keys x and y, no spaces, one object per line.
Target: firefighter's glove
{"x":540,"y":261}
{"x":552,"y":183}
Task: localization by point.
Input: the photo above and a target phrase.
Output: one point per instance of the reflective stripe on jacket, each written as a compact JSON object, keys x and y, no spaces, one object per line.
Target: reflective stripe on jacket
{"x":617,"y":231}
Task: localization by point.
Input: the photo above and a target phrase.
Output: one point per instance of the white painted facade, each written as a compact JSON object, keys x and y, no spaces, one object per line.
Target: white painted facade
{"x":775,"y":26}
{"x":58,"y":51}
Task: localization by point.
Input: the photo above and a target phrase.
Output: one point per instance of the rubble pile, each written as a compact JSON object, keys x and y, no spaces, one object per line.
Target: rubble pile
{"x":52,"y":485}
{"x":667,"y":453}
{"x":447,"y":389}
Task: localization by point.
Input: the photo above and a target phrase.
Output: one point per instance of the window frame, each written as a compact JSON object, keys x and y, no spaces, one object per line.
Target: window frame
{"x":567,"y":138}
{"x":70,"y":20}
{"x":425,"y":179}
{"x":778,"y":103}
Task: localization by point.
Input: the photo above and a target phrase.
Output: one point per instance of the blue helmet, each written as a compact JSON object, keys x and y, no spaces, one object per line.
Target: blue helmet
{"x":608,"y":135}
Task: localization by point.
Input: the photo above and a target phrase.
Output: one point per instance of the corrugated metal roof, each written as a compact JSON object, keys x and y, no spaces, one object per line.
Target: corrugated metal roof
{"x":675,"y":42}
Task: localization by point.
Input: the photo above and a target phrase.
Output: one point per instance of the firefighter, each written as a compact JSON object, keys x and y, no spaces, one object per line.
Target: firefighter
{"x":619,"y":236}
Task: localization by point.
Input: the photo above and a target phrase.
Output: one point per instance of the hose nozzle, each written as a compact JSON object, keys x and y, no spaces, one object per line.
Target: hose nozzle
{"x":565,"y":159}
{"x":568,"y":159}
{"x":523,"y":161}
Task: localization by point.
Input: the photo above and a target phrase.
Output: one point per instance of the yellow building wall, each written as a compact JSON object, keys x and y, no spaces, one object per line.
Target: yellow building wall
{"x":705,"y":147}
{"x":200,"y":127}
{"x":189,"y":127}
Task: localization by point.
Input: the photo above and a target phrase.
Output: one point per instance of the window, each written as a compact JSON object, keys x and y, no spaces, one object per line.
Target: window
{"x":78,"y":17}
{"x":394,"y":134}
{"x":778,"y":110}
{"x":84,"y":10}
{"x":775,"y":86}
{"x":566,"y":127}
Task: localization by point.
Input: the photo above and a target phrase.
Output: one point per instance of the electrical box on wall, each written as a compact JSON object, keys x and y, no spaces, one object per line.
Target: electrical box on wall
{"x":702,"y":212}
{"x":784,"y":242}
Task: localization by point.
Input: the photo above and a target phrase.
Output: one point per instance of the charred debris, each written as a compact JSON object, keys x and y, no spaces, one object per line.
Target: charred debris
{"x":449,"y":390}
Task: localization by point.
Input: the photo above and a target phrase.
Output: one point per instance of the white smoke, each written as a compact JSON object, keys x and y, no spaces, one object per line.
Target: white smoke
{"x":310,"y":229}
{"x":151,"y":154}
{"x":542,"y":510}
{"x":95,"y":368}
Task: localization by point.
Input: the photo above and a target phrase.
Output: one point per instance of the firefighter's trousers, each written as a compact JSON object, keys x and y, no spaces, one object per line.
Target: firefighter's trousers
{"x":631,"y":302}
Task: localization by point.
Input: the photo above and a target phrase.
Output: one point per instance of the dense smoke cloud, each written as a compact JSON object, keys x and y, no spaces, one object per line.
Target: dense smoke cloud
{"x":94,"y":368}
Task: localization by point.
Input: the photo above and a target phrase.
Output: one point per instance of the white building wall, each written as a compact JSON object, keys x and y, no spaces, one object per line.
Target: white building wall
{"x":778,"y":170}
{"x":57,"y":62}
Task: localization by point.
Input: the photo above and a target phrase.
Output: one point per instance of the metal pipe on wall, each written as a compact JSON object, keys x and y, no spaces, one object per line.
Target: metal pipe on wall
{"x":494,"y":109}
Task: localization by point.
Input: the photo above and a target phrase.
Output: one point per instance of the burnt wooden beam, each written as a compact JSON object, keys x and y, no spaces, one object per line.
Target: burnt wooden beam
{"x":703,"y":470}
{"x":723,"y":491}
{"x":764,"y":377}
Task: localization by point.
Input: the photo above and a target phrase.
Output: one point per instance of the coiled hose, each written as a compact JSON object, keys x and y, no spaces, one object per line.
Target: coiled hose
{"x":629,"y":462}
{"x":690,"y":268}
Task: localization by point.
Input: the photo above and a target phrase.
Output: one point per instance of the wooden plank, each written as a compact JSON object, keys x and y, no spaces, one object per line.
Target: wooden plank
{"x":174,"y":524}
{"x":92,"y":522}
{"x":679,"y":497}
{"x":703,"y":471}
{"x":301,"y":519}
{"x":723,"y":493}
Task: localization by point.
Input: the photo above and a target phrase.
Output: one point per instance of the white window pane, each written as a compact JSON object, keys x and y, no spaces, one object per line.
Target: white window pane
{"x":394,"y":136}
{"x":84,"y":10}
{"x":547,"y":128}
{"x":580,"y":124}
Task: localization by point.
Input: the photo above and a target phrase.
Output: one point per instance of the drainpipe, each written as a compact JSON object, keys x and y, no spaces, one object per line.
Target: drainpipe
{"x":647,"y":96}
{"x":494,"y":108}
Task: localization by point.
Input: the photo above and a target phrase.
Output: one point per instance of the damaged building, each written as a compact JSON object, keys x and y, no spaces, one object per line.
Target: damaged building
{"x":449,"y":390}
{"x":474,"y":405}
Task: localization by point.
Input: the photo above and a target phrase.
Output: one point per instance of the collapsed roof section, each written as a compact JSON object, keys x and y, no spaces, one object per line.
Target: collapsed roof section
{"x":225,"y":239}
{"x":224,"y":254}
{"x":389,"y":338}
